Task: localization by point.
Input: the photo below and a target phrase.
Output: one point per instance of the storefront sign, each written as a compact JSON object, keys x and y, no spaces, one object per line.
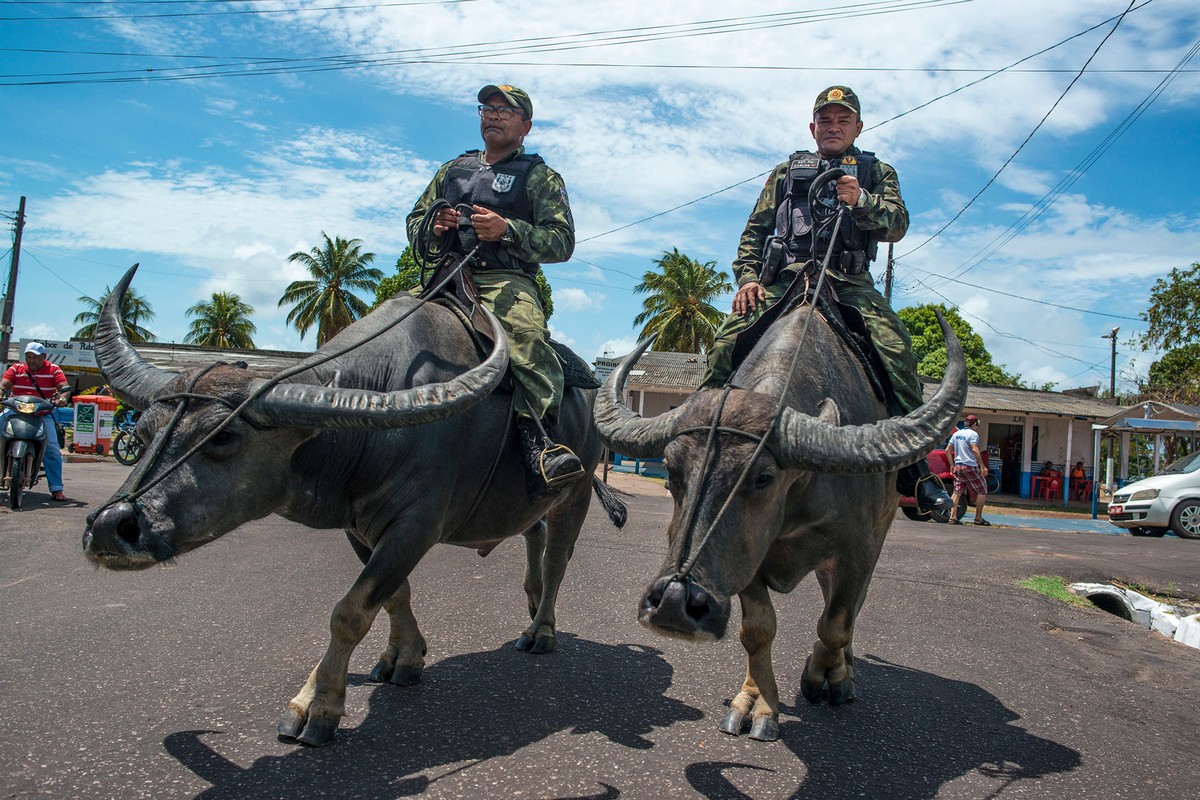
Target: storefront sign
{"x":66,"y":354}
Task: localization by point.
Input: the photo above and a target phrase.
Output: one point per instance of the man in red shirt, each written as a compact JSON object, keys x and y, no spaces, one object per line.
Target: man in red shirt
{"x":38,"y":377}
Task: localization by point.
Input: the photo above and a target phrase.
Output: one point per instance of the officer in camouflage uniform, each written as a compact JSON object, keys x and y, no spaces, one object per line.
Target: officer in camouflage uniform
{"x":778,"y":241}
{"x":520,"y":219}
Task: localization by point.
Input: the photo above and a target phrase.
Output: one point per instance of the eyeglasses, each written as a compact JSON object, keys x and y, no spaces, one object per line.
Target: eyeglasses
{"x":501,"y":112}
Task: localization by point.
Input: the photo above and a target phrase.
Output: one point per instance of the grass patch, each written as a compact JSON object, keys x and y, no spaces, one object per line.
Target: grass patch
{"x":1054,"y":587}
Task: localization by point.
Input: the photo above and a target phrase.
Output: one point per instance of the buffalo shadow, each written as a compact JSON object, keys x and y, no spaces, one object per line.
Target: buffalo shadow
{"x":468,"y":709}
{"x":909,"y":733}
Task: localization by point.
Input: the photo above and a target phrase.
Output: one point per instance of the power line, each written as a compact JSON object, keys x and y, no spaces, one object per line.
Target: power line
{"x":226,"y":13}
{"x":1037,"y":127}
{"x":485,"y":50}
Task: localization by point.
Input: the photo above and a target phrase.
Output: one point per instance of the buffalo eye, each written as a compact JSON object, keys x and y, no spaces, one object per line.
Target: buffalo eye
{"x":224,"y":438}
{"x":764,"y":480}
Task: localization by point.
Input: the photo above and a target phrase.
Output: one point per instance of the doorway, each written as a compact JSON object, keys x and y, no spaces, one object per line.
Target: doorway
{"x":1004,"y":441}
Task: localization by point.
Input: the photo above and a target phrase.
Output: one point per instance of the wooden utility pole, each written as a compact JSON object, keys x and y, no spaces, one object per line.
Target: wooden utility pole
{"x":887,"y":276}
{"x":6,"y":314}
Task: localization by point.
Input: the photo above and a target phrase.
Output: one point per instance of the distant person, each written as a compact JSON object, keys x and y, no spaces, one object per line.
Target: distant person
{"x":1078,"y":481}
{"x":37,"y":377}
{"x":1053,"y":479}
{"x":970,"y":475}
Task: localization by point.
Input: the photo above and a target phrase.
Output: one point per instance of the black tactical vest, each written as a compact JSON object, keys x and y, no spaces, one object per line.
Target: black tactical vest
{"x":794,"y":219}
{"x":498,"y":187}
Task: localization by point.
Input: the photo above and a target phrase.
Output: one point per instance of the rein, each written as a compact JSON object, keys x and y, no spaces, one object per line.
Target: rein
{"x":688,"y":564}
{"x":184,"y":397}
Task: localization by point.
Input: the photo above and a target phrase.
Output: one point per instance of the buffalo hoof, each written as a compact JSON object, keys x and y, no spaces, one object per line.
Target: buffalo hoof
{"x":764,"y":729}
{"x":536,"y":644}
{"x":734,"y":723}
{"x":407,"y":675}
{"x":811,"y":690}
{"x":841,"y":693}
{"x":318,"y":733}
{"x":380,"y":673}
{"x":290,"y":725}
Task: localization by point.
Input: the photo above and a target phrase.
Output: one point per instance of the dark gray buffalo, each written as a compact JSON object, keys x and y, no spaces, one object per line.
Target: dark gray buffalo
{"x":818,"y":496}
{"x":400,"y":442}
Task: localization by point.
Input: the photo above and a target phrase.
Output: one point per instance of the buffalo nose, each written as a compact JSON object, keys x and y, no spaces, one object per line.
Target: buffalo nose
{"x":112,"y":528}
{"x":677,"y":605}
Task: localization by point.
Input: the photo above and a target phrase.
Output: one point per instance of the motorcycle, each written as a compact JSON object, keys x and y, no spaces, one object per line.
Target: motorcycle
{"x":126,"y":446}
{"x":23,"y":440}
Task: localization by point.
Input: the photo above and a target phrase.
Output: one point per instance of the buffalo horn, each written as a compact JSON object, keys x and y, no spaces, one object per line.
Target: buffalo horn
{"x":808,"y":443}
{"x":623,"y":430}
{"x":132,"y":378}
{"x":302,"y":405}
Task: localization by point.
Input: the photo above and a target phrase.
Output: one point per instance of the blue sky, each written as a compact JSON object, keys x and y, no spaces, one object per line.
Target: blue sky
{"x":211,"y":181}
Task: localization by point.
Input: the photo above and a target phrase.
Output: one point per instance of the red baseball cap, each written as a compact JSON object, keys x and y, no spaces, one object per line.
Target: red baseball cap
{"x":972,"y":418}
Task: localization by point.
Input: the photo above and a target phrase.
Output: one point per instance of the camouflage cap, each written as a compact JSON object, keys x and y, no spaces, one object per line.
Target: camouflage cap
{"x":512,"y":94}
{"x":838,"y":96}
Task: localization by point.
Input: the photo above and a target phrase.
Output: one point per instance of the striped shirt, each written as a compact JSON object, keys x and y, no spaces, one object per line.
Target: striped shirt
{"x":48,"y":378}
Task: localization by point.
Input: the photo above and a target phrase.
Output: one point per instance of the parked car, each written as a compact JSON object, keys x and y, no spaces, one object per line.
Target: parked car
{"x":1168,"y":501}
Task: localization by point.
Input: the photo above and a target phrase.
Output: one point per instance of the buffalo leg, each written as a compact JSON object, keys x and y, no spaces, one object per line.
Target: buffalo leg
{"x":757,"y":704}
{"x":403,"y":661}
{"x":564,"y":520}
{"x":312,"y":715}
{"x":832,"y":661}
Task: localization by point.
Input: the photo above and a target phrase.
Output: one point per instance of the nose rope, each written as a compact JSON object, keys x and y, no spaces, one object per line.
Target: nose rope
{"x":182,"y":398}
{"x":688,"y":565}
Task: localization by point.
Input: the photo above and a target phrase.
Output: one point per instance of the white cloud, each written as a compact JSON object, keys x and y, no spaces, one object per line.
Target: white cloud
{"x":571,"y":299}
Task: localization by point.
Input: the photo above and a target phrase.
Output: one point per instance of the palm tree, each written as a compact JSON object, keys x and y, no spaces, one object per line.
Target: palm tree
{"x":328,"y":300}
{"x":222,"y":322}
{"x":134,"y":311}
{"x":679,"y":307}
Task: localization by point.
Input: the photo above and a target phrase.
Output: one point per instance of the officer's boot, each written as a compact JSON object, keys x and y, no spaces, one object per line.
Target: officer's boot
{"x":548,"y":466}
{"x":917,"y":481}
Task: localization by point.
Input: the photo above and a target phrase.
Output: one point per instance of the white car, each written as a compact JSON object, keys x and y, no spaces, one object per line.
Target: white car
{"x":1169,"y":500}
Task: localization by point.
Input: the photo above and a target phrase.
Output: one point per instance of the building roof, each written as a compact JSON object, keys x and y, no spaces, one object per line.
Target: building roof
{"x":662,"y":371}
{"x":1007,"y":400}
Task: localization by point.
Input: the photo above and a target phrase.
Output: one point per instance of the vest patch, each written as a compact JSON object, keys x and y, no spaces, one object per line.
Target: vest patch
{"x":503,"y":182}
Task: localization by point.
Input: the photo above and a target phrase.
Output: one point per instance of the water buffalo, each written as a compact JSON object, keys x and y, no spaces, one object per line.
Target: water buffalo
{"x":400,"y":441}
{"x":753,"y":515}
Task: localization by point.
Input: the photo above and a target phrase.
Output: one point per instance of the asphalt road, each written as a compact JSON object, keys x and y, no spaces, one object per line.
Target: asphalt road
{"x":168,"y":683}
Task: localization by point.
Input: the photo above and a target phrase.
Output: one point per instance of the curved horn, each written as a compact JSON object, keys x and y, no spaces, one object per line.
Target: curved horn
{"x":134,"y":379}
{"x":625,"y":431}
{"x":300,"y":405}
{"x":808,"y":443}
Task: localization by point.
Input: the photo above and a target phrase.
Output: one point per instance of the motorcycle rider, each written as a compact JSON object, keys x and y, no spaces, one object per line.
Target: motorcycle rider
{"x":39,"y":378}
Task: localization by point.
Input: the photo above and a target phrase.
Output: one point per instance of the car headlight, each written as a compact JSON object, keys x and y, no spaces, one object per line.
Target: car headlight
{"x":1143,"y":494}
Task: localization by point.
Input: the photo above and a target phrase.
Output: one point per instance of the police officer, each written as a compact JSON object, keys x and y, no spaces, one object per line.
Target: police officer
{"x":520,"y":218}
{"x":778,"y":241}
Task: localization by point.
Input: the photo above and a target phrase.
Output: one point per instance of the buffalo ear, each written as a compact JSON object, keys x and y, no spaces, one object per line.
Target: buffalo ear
{"x":828,"y":412}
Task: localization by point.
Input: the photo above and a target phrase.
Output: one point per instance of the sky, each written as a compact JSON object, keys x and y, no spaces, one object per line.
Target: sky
{"x":1047,"y":152}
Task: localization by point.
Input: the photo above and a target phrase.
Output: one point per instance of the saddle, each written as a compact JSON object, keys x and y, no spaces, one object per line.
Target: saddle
{"x":846,"y":320}
{"x":460,"y":296}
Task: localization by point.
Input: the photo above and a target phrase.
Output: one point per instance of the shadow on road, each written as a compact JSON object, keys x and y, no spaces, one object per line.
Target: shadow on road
{"x":909,"y":733}
{"x":468,"y":709}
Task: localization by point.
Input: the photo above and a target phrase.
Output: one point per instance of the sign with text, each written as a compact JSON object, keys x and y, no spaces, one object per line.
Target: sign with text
{"x":74,"y":353}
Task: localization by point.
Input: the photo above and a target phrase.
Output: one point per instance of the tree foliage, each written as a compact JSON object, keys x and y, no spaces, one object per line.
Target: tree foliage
{"x":338,"y":269}
{"x":223,"y":321}
{"x":930,"y":349}
{"x":679,"y":306}
{"x":1174,"y":314}
{"x":1175,"y":378}
{"x":135,"y":310}
{"x":408,"y":277}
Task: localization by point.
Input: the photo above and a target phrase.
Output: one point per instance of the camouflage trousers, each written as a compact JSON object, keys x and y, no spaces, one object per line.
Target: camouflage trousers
{"x":888,"y":334}
{"x":512,"y":295}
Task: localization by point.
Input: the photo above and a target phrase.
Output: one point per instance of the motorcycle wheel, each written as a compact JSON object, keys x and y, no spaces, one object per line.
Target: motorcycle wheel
{"x":16,"y":484}
{"x":127,"y":448}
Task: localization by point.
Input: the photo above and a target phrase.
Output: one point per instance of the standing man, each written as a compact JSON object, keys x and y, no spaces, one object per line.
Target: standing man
{"x":39,"y":378}
{"x":969,"y":470}
{"x":779,"y":241}
{"x":520,"y":218}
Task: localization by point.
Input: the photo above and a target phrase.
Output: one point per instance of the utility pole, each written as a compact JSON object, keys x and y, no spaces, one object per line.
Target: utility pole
{"x":887,"y":276}
{"x":6,"y":314}
{"x":1112,"y":370}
